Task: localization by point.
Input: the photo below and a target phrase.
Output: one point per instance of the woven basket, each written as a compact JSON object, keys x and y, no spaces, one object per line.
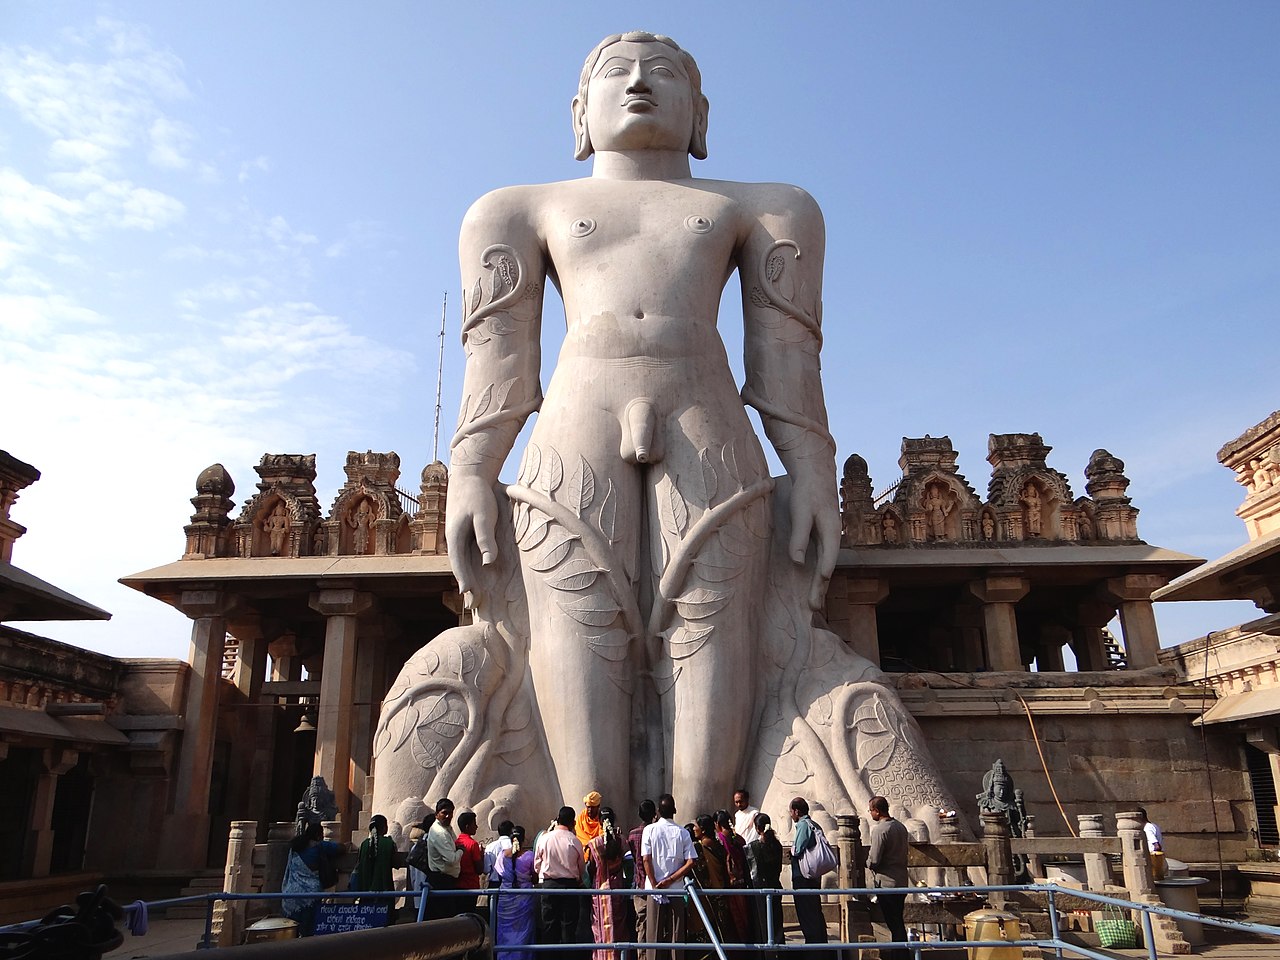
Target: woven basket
{"x":1118,"y":933}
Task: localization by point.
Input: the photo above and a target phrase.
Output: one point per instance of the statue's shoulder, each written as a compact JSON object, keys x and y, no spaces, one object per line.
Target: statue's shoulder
{"x":521,"y":204}
{"x":762,"y":198}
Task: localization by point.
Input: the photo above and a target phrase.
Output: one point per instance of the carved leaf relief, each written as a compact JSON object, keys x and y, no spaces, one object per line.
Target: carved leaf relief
{"x":482,"y":405}
{"x":533,"y":456}
{"x":502,"y":324}
{"x":611,"y":646}
{"x":700,"y":603}
{"x":730,"y":459}
{"x":715,"y":572}
{"x":575,"y":575}
{"x":688,"y":640}
{"x":609,"y":514}
{"x":735,"y":541}
{"x":676,"y":518}
{"x":582,"y":487}
{"x":554,"y":474}
{"x":539,"y":526}
{"x":476,"y":295}
{"x":592,"y":610}
{"x":710,"y":480}
{"x":557,"y":548}
{"x":462,"y":414}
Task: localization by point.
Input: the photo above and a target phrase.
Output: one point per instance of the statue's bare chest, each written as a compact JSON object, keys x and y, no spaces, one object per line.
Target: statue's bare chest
{"x":689,"y":227}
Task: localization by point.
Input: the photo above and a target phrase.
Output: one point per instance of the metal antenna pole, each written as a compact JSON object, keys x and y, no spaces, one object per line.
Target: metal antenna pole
{"x":435,"y":443}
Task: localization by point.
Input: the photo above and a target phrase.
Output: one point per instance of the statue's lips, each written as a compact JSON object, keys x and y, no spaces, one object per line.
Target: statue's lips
{"x":639,"y":104}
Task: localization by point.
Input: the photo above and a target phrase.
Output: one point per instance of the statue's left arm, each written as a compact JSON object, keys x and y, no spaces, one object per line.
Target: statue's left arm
{"x":780,"y":265}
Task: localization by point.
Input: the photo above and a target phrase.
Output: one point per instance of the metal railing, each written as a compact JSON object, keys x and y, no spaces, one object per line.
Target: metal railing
{"x":409,"y":502}
{"x":697,"y":896}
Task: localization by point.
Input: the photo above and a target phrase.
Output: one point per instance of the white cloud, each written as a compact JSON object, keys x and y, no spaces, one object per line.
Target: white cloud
{"x":256,"y":165}
{"x":170,"y":142}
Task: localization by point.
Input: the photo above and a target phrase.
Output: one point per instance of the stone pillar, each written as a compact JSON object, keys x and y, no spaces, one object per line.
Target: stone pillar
{"x":256,"y":755}
{"x":371,"y":679}
{"x":228,"y":915}
{"x":863,"y":595}
{"x":1133,"y":856}
{"x":995,"y":837}
{"x":968,"y":621}
{"x":1137,"y":619}
{"x":455,"y":603}
{"x":855,"y":919}
{"x":38,"y":851}
{"x":1053,"y":637}
{"x":1092,"y":616}
{"x":1097,"y":867}
{"x":999,"y":594}
{"x":340,"y":607}
{"x":185,"y":835}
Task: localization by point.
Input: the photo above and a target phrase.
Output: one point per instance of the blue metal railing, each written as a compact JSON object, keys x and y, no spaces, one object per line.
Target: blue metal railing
{"x":698,"y":895}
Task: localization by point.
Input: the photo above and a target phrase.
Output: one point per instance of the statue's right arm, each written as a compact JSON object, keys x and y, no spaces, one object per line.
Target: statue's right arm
{"x":503,"y":269}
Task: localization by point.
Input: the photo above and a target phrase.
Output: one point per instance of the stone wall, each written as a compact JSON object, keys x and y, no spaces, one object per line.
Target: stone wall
{"x":1107,"y":751}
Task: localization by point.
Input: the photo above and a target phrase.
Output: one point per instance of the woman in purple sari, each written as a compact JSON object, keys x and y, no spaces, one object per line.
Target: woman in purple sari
{"x":515,"y":912}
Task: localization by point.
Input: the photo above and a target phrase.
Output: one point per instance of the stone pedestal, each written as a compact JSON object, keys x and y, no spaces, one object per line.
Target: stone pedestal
{"x":862,"y":596}
{"x":995,"y":837}
{"x":228,"y":915}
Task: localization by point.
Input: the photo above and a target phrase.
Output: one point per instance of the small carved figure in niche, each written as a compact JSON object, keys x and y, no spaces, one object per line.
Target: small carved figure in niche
{"x":362,"y":523}
{"x":988,"y":527}
{"x":890,"y":528}
{"x":1085,"y":527}
{"x":937,"y":510}
{"x":277,"y":528}
{"x":1031,"y":499}
{"x":1261,"y":476}
{"x":317,"y":805}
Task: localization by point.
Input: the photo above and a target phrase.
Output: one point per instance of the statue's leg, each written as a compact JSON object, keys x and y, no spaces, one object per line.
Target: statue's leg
{"x":709,"y":526}
{"x":576,"y":514}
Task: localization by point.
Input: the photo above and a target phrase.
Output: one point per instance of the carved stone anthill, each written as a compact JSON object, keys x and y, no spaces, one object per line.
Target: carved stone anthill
{"x":1254,"y":457}
{"x":366,"y":518}
{"x":1028,"y":502}
{"x":427,"y":527}
{"x":280,"y":520}
{"x":209,"y":532}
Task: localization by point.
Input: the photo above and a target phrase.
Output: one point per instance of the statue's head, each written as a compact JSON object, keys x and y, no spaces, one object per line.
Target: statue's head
{"x":673,"y":59}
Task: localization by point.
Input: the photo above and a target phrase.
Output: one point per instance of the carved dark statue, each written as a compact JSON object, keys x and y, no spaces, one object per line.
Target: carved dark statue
{"x":317,"y":805}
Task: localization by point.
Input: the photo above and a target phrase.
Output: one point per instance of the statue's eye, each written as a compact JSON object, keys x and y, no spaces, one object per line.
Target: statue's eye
{"x":663,"y":72}
{"x":615,"y":72}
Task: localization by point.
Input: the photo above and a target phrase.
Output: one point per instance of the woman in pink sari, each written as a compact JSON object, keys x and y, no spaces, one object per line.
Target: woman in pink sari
{"x":610,"y":915}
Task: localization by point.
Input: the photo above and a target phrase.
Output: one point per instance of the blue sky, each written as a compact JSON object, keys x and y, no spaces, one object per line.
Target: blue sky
{"x":225,"y":229}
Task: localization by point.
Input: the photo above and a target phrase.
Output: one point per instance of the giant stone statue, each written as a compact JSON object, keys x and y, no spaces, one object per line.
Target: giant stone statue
{"x":644,"y":594}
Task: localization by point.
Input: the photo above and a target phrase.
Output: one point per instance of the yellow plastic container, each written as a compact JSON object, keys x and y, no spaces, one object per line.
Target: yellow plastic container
{"x":990,"y":924}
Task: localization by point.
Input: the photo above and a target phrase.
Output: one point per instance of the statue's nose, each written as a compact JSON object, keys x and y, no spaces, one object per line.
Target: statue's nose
{"x":638,"y":83}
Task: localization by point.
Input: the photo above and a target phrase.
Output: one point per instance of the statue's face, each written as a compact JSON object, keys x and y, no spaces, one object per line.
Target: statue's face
{"x":639,"y":98}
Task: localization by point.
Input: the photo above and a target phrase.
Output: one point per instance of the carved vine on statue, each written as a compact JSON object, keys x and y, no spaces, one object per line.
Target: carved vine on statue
{"x":616,"y":585}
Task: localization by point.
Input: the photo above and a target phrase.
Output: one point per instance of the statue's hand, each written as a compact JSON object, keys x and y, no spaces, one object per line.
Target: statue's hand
{"x":470,"y":524}
{"x":815,"y":515}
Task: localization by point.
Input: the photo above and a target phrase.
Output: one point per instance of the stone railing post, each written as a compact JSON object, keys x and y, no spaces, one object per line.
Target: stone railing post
{"x":279,"y":836}
{"x":1034,"y":866}
{"x":1133,"y":855}
{"x":855,"y":920}
{"x":1096,"y":866}
{"x":995,"y":837}
{"x":228,"y":916}
{"x":949,"y":832}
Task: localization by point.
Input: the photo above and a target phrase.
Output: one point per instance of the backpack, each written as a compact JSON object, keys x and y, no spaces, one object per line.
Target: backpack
{"x":417,"y":855}
{"x":819,"y":859}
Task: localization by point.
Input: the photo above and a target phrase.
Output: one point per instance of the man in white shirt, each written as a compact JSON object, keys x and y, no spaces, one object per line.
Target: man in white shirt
{"x":1155,"y":845}
{"x":744,"y":816}
{"x":668,"y":854}
{"x":498,"y":853}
